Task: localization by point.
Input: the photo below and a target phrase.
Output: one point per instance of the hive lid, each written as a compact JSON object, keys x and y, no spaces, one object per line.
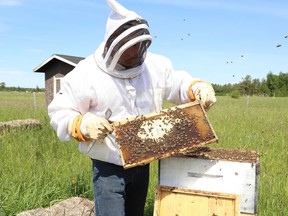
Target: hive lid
{"x":158,"y":135}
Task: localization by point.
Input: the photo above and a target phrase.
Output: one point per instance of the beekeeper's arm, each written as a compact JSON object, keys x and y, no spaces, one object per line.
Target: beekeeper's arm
{"x":70,"y":116}
{"x":182,"y":88}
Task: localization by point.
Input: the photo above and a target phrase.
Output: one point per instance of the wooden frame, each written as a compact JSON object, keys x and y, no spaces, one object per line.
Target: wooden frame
{"x":159,"y":135}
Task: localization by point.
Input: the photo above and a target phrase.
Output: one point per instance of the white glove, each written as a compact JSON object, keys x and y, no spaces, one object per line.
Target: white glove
{"x":204,"y":92}
{"x":95,"y":127}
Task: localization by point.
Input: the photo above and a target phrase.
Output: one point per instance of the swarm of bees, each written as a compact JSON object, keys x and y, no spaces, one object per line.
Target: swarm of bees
{"x":223,"y":154}
{"x":150,"y":138}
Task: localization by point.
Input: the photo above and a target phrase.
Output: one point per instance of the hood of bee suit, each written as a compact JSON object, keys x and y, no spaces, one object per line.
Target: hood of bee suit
{"x":124,"y":29}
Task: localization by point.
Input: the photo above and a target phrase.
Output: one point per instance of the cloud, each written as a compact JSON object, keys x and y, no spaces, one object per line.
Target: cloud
{"x":15,"y":78}
{"x":10,"y":2}
{"x":32,"y":38}
{"x":12,"y":72}
{"x":34,"y":51}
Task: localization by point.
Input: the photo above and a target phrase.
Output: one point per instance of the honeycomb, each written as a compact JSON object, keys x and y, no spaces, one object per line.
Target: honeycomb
{"x":159,"y":135}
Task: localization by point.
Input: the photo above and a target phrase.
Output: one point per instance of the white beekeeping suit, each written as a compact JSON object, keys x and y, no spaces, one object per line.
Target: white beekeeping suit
{"x":101,"y":82}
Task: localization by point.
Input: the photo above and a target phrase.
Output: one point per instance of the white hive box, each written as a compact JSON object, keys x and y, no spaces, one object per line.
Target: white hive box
{"x":215,"y":170}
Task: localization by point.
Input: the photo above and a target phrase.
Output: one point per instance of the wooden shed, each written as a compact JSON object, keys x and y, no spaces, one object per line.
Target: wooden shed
{"x":56,"y":67}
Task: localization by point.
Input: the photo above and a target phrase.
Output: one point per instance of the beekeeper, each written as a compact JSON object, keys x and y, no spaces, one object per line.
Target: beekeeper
{"x":120,"y":80}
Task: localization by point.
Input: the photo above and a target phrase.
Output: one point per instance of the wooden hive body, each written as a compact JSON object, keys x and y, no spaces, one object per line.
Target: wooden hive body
{"x":171,"y":201}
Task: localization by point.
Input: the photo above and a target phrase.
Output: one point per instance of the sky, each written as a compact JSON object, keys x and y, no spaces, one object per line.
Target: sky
{"x":220,"y":41}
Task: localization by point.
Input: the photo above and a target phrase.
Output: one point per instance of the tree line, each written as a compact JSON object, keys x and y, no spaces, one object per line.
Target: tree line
{"x":273,"y":86}
{"x":3,"y":87}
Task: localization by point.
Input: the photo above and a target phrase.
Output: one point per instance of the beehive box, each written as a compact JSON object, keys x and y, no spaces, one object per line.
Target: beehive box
{"x":171,"y":201}
{"x":215,"y":170}
{"x":160,"y":135}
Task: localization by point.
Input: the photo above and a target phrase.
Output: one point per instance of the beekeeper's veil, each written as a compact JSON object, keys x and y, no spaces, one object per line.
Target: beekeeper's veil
{"x":124,"y":29}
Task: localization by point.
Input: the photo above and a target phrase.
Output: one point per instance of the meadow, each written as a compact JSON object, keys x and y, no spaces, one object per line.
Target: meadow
{"x":37,"y":170}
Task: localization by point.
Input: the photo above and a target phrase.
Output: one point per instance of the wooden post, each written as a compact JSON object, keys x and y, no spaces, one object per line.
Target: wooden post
{"x":35,"y":100}
{"x":247,"y":101}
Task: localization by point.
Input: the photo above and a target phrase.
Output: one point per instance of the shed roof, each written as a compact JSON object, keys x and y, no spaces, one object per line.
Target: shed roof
{"x":71,"y":60}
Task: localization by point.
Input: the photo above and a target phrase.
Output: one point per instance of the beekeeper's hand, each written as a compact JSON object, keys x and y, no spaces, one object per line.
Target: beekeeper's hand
{"x":89,"y":126}
{"x":203,"y":92}
{"x":95,"y":127}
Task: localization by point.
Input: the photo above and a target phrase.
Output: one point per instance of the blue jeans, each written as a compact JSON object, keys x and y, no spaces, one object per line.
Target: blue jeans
{"x":119,"y":192}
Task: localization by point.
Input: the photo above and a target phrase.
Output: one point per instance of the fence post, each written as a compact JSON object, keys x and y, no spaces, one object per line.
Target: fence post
{"x":247,"y":101}
{"x":35,"y":101}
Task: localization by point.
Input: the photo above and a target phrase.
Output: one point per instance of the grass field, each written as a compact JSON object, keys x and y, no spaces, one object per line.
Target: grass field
{"x":37,"y":170}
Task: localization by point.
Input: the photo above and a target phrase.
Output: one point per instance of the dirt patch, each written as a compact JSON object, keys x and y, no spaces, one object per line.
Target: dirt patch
{"x":17,"y":103}
{"x":22,"y":124}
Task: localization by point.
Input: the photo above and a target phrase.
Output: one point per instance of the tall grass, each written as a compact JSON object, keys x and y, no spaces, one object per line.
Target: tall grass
{"x":37,"y":170}
{"x":260,"y":126}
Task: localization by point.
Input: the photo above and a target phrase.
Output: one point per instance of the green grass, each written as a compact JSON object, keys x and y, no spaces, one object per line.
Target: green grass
{"x":261,"y":126}
{"x":37,"y":170}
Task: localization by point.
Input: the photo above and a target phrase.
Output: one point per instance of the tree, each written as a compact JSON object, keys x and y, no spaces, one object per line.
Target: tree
{"x":246,"y":85}
{"x":272,"y":83}
{"x":2,"y":85}
{"x":282,"y":88}
{"x":255,"y":86}
{"x":263,"y":88}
